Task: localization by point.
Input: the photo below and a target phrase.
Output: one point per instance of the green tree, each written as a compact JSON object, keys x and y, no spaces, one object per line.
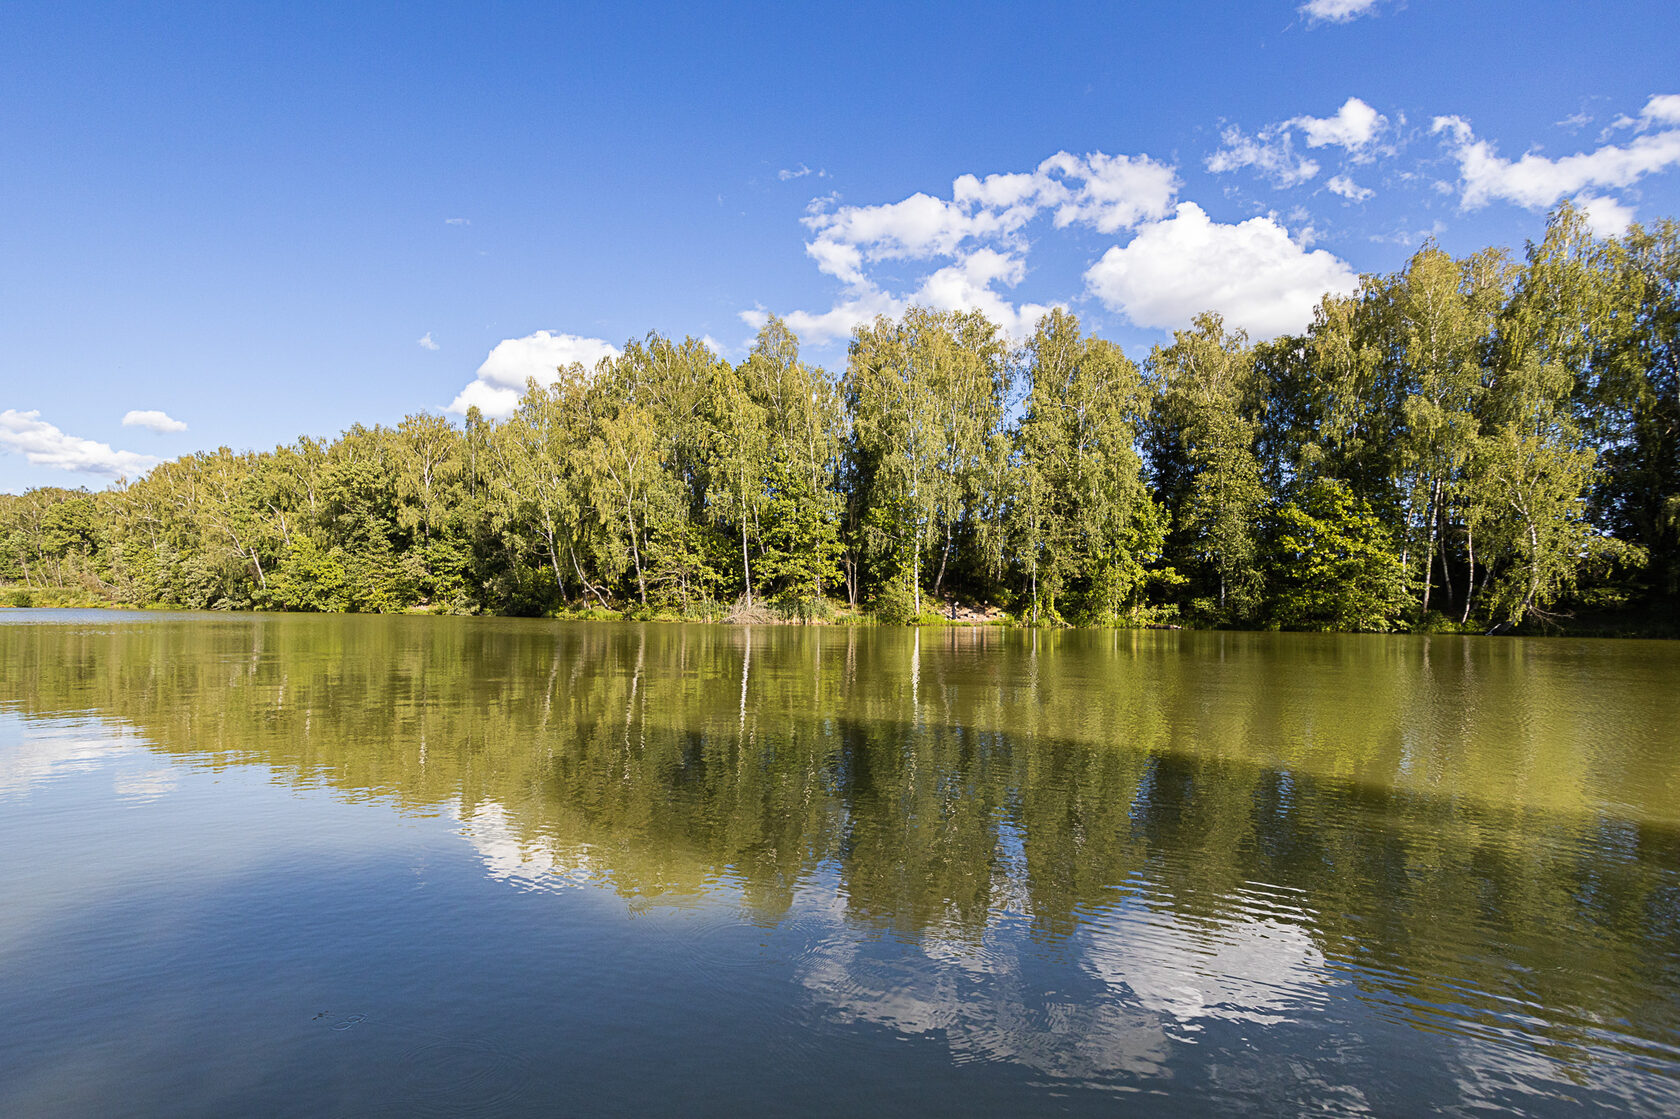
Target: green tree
{"x":799,"y":510}
{"x":926,"y":395}
{"x":1535,"y":462}
{"x":1445,"y":312}
{"x":1201,"y":442}
{"x":540,"y":484}
{"x":740,"y":464}
{"x":1081,"y":515}
{"x":1334,"y":563}
{"x":1630,"y":396}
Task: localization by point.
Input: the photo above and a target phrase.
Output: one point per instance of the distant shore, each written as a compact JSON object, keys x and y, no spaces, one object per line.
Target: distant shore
{"x":1628,"y":625}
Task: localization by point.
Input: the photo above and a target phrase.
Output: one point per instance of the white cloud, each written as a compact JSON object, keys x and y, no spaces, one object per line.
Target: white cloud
{"x":426,"y":343}
{"x":919,"y":226}
{"x":1354,"y":127}
{"x":495,"y":402}
{"x":1349,"y":189}
{"x":1336,"y":11}
{"x":45,"y":445}
{"x":457,"y":221}
{"x":1111,"y":193}
{"x":845,"y":316}
{"x":799,"y":173}
{"x":1606,"y":217}
{"x":1108,"y":193}
{"x":513,"y":361}
{"x":1251,"y":273}
{"x":160,"y":422}
{"x":1536,"y":182}
{"x":1661,"y":109}
{"x":967,"y":286}
{"x":975,"y":239}
{"x":1271,"y":152}
{"x":842,"y":261}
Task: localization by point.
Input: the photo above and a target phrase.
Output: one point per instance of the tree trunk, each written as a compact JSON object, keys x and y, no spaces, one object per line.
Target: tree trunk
{"x":588,"y":587}
{"x":1035,"y":594}
{"x":553,"y":556}
{"x":1446,"y":566}
{"x":939,"y":580}
{"x":1470,"y":575}
{"x":1533,"y":571}
{"x":554,"y":562}
{"x":1431,"y":515}
{"x":916,"y":577}
{"x":635,"y":549}
{"x":746,"y":569}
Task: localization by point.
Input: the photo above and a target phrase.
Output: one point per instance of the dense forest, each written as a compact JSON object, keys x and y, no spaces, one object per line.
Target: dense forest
{"x":1467,"y":443}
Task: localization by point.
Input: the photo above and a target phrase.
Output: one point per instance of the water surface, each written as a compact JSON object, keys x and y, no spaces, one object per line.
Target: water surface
{"x":363,"y":866}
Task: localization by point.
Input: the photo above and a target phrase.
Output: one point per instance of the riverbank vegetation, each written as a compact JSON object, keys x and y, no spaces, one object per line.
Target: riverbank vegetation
{"x":1474,"y":442}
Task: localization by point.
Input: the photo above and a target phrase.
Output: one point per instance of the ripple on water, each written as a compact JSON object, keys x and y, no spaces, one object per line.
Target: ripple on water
{"x":458,"y":1077}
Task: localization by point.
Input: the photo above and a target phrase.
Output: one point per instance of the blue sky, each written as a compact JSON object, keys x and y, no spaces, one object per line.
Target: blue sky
{"x":261,"y":221}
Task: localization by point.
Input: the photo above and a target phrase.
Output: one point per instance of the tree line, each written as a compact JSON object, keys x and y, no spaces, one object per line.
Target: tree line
{"x":1467,"y":442}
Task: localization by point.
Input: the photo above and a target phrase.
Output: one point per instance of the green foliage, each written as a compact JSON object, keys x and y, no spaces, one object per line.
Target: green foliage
{"x":895,"y":604}
{"x":1202,"y":443}
{"x":1334,"y":564}
{"x":1082,"y":525}
{"x":309,"y":578}
{"x":926,"y":393}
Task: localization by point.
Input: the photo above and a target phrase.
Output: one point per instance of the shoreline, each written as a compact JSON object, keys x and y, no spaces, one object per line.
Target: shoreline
{"x":1600,"y":628}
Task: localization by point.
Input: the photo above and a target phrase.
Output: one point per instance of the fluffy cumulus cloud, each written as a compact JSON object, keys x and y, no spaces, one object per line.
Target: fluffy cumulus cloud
{"x":153,"y":420}
{"x":856,"y":308}
{"x":973,"y":243}
{"x":1337,"y":11}
{"x":1536,"y":182}
{"x":425,"y":342}
{"x":1251,"y":273}
{"x":1355,"y":128}
{"x":501,"y":379}
{"x":1108,"y":193}
{"x":45,"y":445}
{"x":967,"y":286}
{"x":1606,"y":217}
{"x":1173,"y":262}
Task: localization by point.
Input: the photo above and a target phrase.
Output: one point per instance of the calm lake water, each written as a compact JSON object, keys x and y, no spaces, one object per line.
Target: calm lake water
{"x":355,"y":866}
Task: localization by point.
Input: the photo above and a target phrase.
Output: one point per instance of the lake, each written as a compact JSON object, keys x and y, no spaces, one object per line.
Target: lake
{"x":324,"y":866}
